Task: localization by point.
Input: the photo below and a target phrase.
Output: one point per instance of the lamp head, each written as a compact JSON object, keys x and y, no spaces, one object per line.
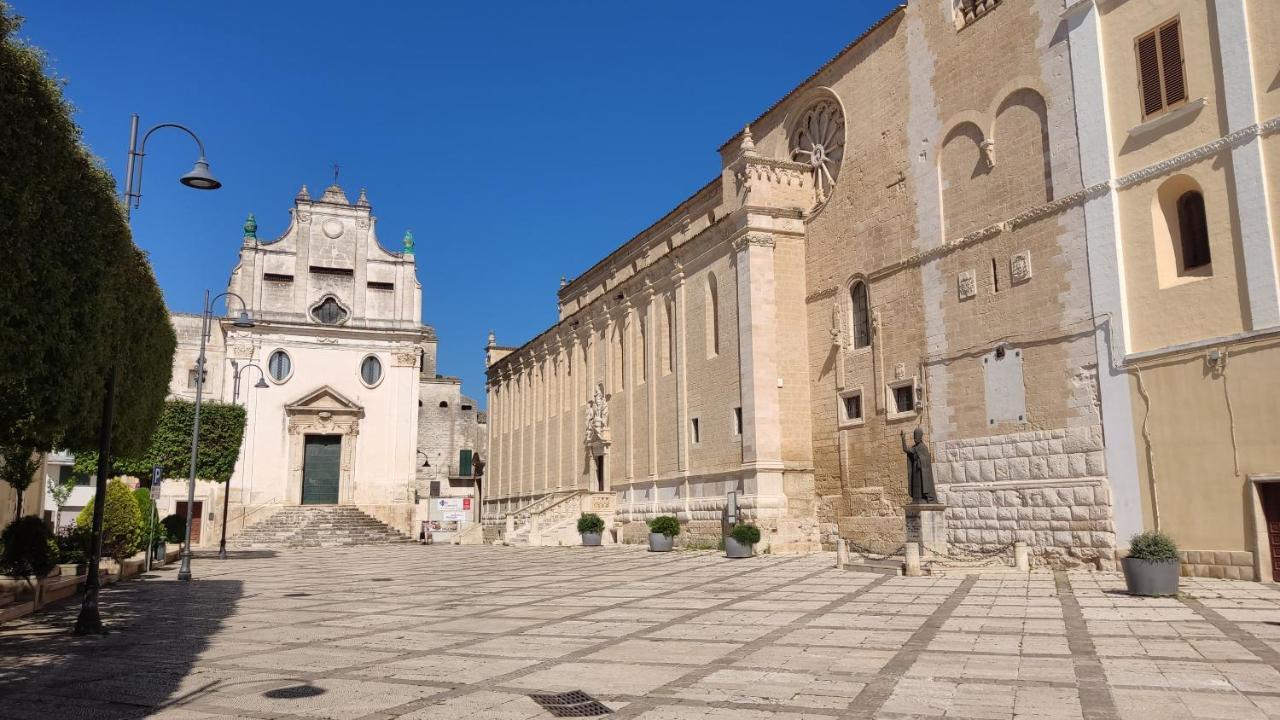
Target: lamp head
{"x":243,"y":320}
{"x":261,"y":384}
{"x":200,"y":178}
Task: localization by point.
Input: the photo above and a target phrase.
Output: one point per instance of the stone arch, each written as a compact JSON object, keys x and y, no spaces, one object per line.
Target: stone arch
{"x":1170,"y":228}
{"x":962,"y":172}
{"x":1020,"y":135}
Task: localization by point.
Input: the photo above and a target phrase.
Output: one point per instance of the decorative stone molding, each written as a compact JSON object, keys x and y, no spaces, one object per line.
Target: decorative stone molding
{"x":1020,"y":267}
{"x":303,"y":217}
{"x":323,"y":411}
{"x":404,"y":358}
{"x":753,"y":240}
{"x":1063,"y":203}
{"x":966,"y":285}
{"x":1177,"y":162}
{"x":362,"y":223}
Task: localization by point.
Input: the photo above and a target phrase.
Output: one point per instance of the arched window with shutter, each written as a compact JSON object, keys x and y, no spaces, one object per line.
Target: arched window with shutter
{"x":1193,"y":230}
{"x":860,"y":315}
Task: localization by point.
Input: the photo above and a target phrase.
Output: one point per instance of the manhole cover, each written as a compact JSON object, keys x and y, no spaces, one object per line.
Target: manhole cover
{"x":574,"y":703}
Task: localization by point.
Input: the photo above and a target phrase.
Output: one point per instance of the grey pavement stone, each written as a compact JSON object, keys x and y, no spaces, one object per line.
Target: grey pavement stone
{"x":466,"y":633}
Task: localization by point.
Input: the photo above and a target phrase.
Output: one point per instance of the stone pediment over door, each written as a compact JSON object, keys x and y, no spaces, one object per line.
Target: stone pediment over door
{"x":325,"y":398}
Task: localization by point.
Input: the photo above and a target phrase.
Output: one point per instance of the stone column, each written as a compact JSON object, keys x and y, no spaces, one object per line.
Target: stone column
{"x":757,"y":361}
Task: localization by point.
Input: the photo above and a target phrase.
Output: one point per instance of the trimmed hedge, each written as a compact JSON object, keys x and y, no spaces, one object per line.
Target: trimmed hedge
{"x":1154,"y":546}
{"x":746,"y":533}
{"x":78,"y":297}
{"x":221,"y":432}
{"x":121,"y":522}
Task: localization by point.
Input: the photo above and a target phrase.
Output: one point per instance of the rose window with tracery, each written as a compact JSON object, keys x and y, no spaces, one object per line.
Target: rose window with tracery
{"x":818,"y":141}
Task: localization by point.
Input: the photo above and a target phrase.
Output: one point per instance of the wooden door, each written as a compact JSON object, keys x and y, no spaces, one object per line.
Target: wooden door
{"x":321,"y":462}
{"x":197,"y":514}
{"x":1271,"y":509}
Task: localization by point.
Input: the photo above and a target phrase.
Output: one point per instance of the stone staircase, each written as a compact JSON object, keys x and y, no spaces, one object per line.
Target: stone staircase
{"x":553,"y":519}
{"x":318,"y":526}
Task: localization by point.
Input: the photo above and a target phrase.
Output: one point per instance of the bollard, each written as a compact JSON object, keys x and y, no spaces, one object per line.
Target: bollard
{"x":1020,"y":557}
{"x":842,"y":553}
{"x":912,"y":551}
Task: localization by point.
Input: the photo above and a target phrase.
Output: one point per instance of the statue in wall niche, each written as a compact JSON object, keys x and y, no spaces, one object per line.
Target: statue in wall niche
{"x":919,"y":468}
{"x":598,"y":416}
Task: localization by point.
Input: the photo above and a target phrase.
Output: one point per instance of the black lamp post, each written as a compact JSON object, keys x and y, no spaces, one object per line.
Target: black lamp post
{"x":89,"y":620}
{"x":243,"y":320}
{"x":226,"y":494}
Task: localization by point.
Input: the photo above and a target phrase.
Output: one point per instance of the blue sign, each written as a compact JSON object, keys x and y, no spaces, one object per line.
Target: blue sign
{"x":157,"y":475}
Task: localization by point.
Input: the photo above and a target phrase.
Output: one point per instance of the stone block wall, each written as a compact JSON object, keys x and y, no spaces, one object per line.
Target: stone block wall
{"x":1229,"y":564}
{"x":1047,"y":488}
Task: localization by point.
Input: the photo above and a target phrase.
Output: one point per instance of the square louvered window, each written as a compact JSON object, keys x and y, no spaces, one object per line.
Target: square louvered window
{"x":1162,"y":75}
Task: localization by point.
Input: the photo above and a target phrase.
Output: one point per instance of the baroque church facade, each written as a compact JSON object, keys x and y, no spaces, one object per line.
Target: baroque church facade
{"x":338,"y":377}
{"x":949,"y":226}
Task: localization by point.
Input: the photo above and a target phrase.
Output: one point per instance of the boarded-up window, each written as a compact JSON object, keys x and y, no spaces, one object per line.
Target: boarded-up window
{"x":1162,"y":78}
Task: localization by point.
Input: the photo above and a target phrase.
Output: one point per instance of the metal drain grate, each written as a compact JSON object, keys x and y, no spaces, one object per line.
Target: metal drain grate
{"x":574,"y":703}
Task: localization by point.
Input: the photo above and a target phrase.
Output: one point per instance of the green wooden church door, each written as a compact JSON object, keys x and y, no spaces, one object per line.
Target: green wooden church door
{"x":320,"y":470}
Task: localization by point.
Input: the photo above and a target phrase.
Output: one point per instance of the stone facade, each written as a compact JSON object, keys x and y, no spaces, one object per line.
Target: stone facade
{"x":338,"y":339}
{"x":969,"y":222}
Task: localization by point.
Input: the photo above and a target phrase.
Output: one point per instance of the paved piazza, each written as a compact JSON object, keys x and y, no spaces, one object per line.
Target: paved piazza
{"x":453,"y":633}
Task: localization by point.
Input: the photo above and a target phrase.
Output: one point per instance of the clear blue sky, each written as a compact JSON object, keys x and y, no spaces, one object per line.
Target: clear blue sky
{"x":520,"y":141}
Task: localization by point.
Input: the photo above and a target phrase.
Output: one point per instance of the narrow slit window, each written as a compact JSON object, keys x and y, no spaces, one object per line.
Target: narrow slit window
{"x":737,"y":421}
{"x":697,"y":434}
{"x":861,"y":315}
{"x":995,"y":276}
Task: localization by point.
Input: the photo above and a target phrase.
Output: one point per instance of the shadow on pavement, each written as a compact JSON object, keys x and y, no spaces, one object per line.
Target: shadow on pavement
{"x":157,"y":629}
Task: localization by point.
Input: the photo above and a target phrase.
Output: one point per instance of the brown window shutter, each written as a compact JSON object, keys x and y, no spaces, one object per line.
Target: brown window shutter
{"x":1175,"y":82}
{"x":1149,"y":74}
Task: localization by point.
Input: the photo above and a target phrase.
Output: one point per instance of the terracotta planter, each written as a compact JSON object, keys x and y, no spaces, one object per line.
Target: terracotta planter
{"x":660,"y":543}
{"x":1154,"y":578}
{"x":735,"y":549}
{"x":591,"y":539}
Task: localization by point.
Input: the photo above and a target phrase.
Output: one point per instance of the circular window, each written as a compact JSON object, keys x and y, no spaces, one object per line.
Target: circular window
{"x":279,"y":366}
{"x":818,"y":141}
{"x":371,"y":370}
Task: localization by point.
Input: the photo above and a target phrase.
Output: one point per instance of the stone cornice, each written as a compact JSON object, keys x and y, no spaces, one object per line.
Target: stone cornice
{"x":753,"y":239}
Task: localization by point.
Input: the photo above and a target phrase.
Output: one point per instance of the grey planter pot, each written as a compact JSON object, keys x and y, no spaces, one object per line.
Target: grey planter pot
{"x":1150,"y":577}
{"x":735,"y":549}
{"x":590,"y":539}
{"x":660,"y":543}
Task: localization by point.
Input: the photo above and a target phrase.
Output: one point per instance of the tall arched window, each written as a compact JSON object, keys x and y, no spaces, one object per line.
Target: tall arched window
{"x":860,"y":315}
{"x":1194,"y":230}
{"x":713,"y":316}
{"x":644,"y":350}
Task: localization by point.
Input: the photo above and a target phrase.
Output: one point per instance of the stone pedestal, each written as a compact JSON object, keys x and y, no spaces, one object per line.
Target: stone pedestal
{"x":926,"y":525}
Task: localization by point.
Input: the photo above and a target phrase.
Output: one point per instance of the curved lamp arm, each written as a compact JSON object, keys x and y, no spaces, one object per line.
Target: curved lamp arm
{"x":199,"y":177}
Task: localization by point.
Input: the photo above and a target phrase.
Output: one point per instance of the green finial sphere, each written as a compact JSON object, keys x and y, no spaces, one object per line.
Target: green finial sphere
{"x":251,"y":227}
{"x":408,"y":242}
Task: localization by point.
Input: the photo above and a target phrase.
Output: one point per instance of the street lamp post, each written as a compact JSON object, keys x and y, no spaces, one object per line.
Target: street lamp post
{"x":89,"y":620}
{"x":243,"y":320}
{"x":226,"y":494}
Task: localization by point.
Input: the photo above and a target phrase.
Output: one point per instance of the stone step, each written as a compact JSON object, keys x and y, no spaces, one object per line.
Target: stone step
{"x":318,"y":526}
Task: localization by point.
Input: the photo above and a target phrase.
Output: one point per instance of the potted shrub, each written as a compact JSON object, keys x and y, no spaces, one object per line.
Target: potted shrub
{"x":29,"y":551}
{"x":741,"y":541}
{"x":1151,"y":567}
{"x":590,"y":527}
{"x":662,"y":533}
{"x":73,"y":549}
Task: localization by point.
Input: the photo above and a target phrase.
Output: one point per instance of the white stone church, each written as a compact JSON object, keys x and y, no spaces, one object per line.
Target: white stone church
{"x":353,"y":412}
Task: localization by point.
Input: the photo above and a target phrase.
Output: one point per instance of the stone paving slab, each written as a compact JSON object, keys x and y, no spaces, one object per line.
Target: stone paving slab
{"x":468,"y":633}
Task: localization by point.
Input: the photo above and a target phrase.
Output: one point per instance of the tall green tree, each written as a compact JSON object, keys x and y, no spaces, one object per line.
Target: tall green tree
{"x":19,"y":471}
{"x":78,"y":297}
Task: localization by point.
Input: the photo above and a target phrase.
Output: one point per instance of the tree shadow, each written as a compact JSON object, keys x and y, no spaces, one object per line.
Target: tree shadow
{"x":157,"y":630}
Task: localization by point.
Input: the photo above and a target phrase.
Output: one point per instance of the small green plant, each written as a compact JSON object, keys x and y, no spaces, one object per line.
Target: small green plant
{"x":175,"y":528}
{"x":590,"y":523}
{"x":665,"y":525}
{"x":29,"y":549}
{"x":1154,"y":546}
{"x":746,"y":533}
